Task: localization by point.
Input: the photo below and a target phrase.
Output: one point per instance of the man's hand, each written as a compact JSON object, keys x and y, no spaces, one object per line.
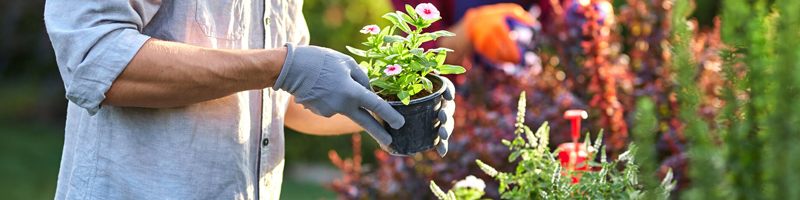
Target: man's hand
{"x":328,"y":82}
{"x":488,"y":30}
{"x":446,"y":117}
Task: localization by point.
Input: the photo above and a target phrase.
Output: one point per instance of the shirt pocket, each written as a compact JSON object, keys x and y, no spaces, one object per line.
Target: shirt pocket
{"x":222,"y":19}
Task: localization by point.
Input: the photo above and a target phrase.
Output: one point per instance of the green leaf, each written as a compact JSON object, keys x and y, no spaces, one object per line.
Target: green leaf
{"x":416,"y":67}
{"x":397,"y":21}
{"x":379,"y":64}
{"x":443,"y":33}
{"x":430,"y":35}
{"x":357,"y":52}
{"x":440,"y":58}
{"x":405,"y":17}
{"x":430,"y":55}
{"x":389,"y":92}
{"x":423,"y":61}
{"x":384,"y":84}
{"x":427,"y":23}
{"x":375,"y":54}
{"x":404,"y":97}
{"x":514,"y":155}
{"x":416,"y":88}
{"x":393,"y":39}
{"x":437,"y":34}
{"x":587,"y":141}
{"x":411,"y":11}
{"x":451,"y":69}
{"x":426,"y":83}
{"x":416,"y":51}
{"x":390,"y":57}
{"x":437,"y":50}
{"x":375,"y":40}
{"x":392,"y":17}
{"x":423,"y":39}
{"x":385,"y":31}
{"x":406,"y":79}
{"x":398,"y":48}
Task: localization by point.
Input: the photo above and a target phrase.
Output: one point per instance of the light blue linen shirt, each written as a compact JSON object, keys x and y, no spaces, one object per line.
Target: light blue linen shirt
{"x":228,"y":148}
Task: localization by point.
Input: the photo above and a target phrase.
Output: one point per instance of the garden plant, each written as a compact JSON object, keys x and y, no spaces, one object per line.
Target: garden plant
{"x":539,"y":175}
{"x":710,"y":99}
{"x":406,"y":75}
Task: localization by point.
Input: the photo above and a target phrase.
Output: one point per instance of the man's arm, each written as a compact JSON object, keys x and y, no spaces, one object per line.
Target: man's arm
{"x":305,"y":121}
{"x":169,"y":74}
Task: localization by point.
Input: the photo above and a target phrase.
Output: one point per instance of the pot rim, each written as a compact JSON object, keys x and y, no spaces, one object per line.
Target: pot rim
{"x":423,"y":99}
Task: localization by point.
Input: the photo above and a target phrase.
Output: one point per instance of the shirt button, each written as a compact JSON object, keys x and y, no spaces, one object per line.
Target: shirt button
{"x":265,"y":142}
{"x":266,"y":21}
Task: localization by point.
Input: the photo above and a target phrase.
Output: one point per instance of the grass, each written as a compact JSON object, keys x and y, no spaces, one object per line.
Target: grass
{"x":30,"y":155}
{"x":292,"y":189}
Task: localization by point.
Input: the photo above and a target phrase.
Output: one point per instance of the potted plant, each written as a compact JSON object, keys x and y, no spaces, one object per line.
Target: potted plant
{"x":407,"y":76}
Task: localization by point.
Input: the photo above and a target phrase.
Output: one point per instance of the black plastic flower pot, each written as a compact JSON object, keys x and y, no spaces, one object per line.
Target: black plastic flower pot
{"x":420,"y":132}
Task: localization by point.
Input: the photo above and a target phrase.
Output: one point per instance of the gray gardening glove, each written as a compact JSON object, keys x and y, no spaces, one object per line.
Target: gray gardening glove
{"x":446,"y":117}
{"x":328,"y":82}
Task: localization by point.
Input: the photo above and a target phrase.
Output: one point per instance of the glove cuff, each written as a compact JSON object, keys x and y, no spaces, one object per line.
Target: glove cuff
{"x":299,"y":75}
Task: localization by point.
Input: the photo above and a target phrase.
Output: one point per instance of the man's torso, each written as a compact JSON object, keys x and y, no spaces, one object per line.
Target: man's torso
{"x":228,"y":148}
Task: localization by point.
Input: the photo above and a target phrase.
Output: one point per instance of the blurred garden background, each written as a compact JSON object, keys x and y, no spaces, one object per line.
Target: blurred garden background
{"x":33,"y":107}
{"x":707,"y":88}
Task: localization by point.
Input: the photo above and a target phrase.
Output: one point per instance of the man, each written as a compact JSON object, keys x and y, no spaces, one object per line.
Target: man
{"x":167,"y":98}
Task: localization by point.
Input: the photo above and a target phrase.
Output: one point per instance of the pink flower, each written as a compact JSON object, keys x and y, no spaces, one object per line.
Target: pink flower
{"x":371,"y":29}
{"x":427,"y":11}
{"x":392,"y":70}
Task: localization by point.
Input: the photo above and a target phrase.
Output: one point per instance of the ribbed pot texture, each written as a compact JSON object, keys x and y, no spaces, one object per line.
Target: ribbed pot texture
{"x":420,"y":132}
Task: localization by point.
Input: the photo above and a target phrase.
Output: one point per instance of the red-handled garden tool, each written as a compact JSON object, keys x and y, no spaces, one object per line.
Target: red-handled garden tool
{"x":574,"y":154}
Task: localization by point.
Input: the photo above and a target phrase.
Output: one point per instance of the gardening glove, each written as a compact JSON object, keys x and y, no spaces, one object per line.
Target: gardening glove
{"x":446,"y":117}
{"x":488,"y":30}
{"x":328,"y":82}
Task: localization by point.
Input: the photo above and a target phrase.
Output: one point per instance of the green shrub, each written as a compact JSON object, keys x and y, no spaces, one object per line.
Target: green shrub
{"x":540,"y":176}
{"x":751,"y":150}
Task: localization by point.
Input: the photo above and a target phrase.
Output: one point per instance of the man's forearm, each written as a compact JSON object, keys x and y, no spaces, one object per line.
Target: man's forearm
{"x":303,"y":120}
{"x":169,"y":74}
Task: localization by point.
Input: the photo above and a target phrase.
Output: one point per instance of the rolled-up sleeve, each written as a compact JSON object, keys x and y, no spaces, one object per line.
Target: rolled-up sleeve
{"x":94,"y":41}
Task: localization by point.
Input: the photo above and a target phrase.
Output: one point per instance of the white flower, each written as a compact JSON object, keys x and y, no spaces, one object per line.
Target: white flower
{"x":427,"y":11}
{"x":471,"y":182}
{"x":392,"y":70}
{"x":371,"y":29}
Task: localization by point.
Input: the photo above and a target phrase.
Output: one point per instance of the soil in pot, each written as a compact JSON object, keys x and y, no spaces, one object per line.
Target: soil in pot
{"x":420,"y":132}
{"x":423,"y":93}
